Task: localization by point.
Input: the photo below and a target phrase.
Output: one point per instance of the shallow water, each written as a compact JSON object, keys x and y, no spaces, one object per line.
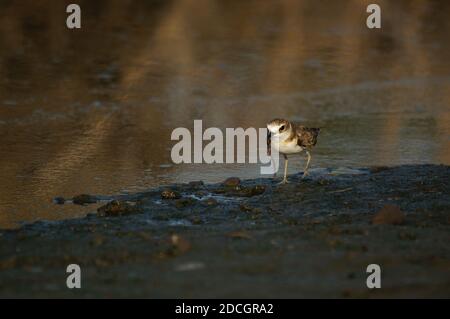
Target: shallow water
{"x":92,"y":110}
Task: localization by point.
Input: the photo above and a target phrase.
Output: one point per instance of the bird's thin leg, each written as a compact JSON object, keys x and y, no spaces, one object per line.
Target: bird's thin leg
{"x":284,"y":181}
{"x":305,"y":171}
{"x":273,"y":165}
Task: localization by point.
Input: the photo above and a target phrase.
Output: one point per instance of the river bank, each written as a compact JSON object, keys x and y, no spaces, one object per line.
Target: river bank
{"x":252,"y":238}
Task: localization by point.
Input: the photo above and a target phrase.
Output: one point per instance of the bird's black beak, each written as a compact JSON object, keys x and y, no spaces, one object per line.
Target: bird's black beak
{"x":269,"y":139}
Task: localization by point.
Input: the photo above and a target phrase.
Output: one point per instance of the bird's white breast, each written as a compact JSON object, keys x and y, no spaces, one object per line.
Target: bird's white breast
{"x":290,"y":147}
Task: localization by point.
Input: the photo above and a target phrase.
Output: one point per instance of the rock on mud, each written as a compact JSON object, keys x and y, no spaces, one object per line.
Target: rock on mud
{"x":196,"y":184}
{"x":232,"y":182}
{"x":170,"y":194}
{"x":118,"y":208}
{"x":389,"y":215}
{"x":59,"y":200}
{"x":253,"y":191}
{"x":210,"y":202}
{"x":241,"y":191}
{"x":84,"y":199}
{"x":184,"y":202}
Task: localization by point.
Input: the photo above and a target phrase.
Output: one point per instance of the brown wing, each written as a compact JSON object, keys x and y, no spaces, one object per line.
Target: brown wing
{"x":307,"y":136}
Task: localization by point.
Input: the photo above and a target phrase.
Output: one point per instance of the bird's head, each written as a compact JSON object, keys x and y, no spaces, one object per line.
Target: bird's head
{"x":278,"y":126}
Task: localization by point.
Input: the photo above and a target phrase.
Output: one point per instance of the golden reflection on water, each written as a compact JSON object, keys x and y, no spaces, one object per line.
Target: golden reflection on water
{"x":91,"y":110}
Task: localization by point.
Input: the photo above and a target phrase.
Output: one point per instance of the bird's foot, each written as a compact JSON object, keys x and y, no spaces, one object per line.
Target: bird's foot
{"x":306,"y":173}
{"x":284,"y":181}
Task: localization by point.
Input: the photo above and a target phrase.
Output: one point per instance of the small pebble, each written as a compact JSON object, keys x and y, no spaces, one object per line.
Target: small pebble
{"x":170,"y":194}
{"x":389,"y":215}
{"x":232,"y":182}
{"x":59,"y":200}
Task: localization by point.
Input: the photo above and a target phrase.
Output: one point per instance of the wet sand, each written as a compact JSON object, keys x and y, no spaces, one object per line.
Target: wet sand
{"x":252,"y":238}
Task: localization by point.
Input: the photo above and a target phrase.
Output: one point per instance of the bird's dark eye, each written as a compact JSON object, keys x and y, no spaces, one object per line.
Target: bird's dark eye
{"x":282,"y":128}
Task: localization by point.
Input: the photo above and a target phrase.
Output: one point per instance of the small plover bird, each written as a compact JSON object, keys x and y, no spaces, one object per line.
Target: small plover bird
{"x":291,"y":139}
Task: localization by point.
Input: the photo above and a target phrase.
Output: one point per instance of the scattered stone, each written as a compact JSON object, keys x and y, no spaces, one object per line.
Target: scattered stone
{"x":59,"y":200}
{"x":84,"y":199}
{"x":196,"y":184}
{"x":184,"y":202}
{"x":253,"y":191}
{"x":201,"y":193}
{"x":232,"y":182}
{"x":170,"y":194}
{"x":240,"y":191}
{"x":118,"y":208}
{"x":245,"y":208}
{"x":210,"y":202}
{"x":389,"y":215}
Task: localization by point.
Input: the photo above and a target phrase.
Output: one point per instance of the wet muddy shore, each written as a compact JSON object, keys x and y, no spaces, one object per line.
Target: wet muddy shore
{"x":313,"y":237}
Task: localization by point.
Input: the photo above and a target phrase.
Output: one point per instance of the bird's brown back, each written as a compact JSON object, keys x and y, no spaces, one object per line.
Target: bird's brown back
{"x":307,"y":136}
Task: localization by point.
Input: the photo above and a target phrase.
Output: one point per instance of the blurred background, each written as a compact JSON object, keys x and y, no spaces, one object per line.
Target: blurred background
{"x":92,"y":110}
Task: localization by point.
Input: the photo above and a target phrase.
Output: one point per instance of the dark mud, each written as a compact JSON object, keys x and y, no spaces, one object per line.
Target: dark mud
{"x":253,"y":238}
